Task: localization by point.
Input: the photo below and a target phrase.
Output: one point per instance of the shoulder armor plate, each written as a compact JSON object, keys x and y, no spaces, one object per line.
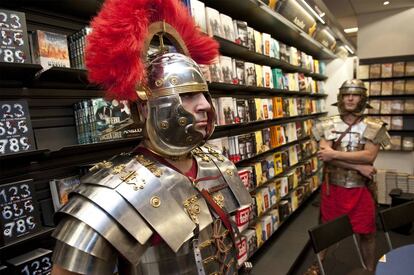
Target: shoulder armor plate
{"x":376,"y":131}
{"x":324,"y":128}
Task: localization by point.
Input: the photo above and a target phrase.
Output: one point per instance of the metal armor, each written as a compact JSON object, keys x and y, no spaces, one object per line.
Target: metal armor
{"x":331,"y":129}
{"x":112,"y":216}
{"x":354,"y":87}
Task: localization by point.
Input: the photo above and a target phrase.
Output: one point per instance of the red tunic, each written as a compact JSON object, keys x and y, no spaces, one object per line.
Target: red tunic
{"x":357,"y":203}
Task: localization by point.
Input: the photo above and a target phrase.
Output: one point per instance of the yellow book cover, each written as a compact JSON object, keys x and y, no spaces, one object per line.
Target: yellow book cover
{"x":259,"y":109}
{"x":258,"y":41}
{"x":278,"y":163}
{"x":277,"y":107}
{"x":259,"y":236}
{"x":259,"y":142}
{"x":259,"y":203}
{"x":273,"y":137}
{"x":259,"y":75}
{"x":258,"y":172}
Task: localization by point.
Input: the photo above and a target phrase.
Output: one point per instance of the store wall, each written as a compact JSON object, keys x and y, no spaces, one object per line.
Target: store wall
{"x":384,"y":34}
{"x":388,"y":33}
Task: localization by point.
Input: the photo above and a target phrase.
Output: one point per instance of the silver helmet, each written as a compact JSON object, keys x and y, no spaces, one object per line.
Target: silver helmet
{"x":169,"y":127}
{"x":355,"y":87}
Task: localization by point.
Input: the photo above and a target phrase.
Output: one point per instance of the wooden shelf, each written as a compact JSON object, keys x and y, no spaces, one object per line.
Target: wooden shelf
{"x":404,"y":96}
{"x":17,"y":74}
{"x":65,"y":78}
{"x":389,"y":78}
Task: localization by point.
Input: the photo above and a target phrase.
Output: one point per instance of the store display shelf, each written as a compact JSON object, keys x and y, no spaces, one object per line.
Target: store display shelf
{"x":404,"y":96}
{"x":240,"y":128}
{"x":70,"y":150}
{"x":43,"y":233}
{"x":59,"y":77}
{"x":392,"y":114}
{"x":288,"y":218}
{"x":235,"y":50}
{"x":273,"y":150}
{"x":262,"y":18}
{"x":46,"y":94}
{"x":389,"y":78}
{"x":302,"y":162}
{"x":17,"y":74}
{"x":217,"y":88}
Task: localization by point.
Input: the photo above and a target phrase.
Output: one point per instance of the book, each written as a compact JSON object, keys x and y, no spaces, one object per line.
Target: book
{"x":386,"y":70}
{"x":375,"y":71}
{"x":274,"y":48}
{"x":398,"y":87}
{"x":226,"y":110}
{"x":258,"y":41}
{"x":250,"y":39}
{"x":226,"y":69}
{"x":266,"y":42}
{"x":385,"y":107}
{"x":215,"y":71}
{"x":386,"y":87}
{"x":259,"y":75}
{"x":277,"y":107}
{"x":395,"y":143}
{"x":249,"y":74}
{"x":14,"y":40}
{"x":363,"y":71}
{"x":396,"y":123}
{"x":375,"y":88}
{"x":228,"y":27}
{"x":267,"y":77}
{"x":60,"y":189}
{"x":407,"y":143}
{"x":214,"y":26}
{"x":50,"y":49}
{"x":397,"y":106}
{"x":409,"y":87}
{"x":398,"y":69}
{"x":240,"y":30}
{"x":409,"y":106}
{"x":409,"y":68}
{"x":376,"y":106}
{"x":198,"y":12}
{"x":238,"y":70}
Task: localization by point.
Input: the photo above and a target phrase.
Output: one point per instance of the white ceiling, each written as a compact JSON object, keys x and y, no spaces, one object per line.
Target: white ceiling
{"x":347,"y":11}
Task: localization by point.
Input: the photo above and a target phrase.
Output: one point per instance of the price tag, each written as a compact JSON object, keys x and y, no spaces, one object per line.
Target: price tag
{"x":16,"y":133}
{"x":13,"y":37}
{"x":38,"y":261}
{"x":19,"y":215}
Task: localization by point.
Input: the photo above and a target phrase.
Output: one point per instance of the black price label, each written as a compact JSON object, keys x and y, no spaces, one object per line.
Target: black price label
{"x":16,"y":133}
{"x":13,"y":37}
{"x":19,"y":215}
{"x":38,"y":261}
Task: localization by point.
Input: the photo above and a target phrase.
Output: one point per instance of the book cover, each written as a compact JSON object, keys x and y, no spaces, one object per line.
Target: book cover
{"x":239,"y":64}
{"x":252,"y":109}
{"x":375,"y":88}
{"x":214,"y":26}
{"x":277,"y":107}
{"x":249,"y":74}
{"x":228,"y":27}
{"x":376,"y":106}
{"x":398,"y":69}
{"x":398,"y":87}
{"x":407,"y":143}
{"x":283,"y":52}
{"x":386,"y":88}
{"x":409,"y":68}
{"x":385,"y":107}
{"x":258,"y":42}
{"x":277,"y":78}
{"x":242,"y":110}
{"x":409,"y":106}
{"x":234,"y":153}
{"x":240,"y":29}
{"x":226,"y":69}
{"x":60,"y":189}
{"x":386,"y":70}
{"x":242,"y":146}
{"x":215,"y":72}
{"x":251,"y":144}
{"x":278,"y":163}
{"x":266,"y":40}
{"x":409,"y":87}
{"x":259,"y":109}
{"x":198,"y":12}
{"x":250,"y":39}
{"x":363,"y":71}
{"x":266,"y":139}
{"x":375,"y":71}
{"x":267,"y":77}
{"x":397,"y":106}
{"x":259,"y":75}
{"x":259,"y":142}
{"x":226,"y":110}
{"x":50,"y":49}
{"x":265,"y":108}
{"x":396,"y":123}
{"x":274,"y":49}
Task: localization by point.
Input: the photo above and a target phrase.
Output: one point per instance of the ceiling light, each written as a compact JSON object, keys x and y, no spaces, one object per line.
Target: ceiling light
{"x":351,"y":30}
{"x":386,"y":3}
{"x":349,"y":49}
{"x":313,"y":12}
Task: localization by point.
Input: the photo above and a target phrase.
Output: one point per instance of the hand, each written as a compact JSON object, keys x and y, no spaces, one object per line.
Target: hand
{"x":326,"y":153}
{"x":367,"y":170}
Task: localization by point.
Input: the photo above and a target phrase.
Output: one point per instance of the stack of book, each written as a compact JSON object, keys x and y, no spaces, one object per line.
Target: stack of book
{"x":390,"y":183}
{"x":402,"y":181}
{"x":411,"y":184}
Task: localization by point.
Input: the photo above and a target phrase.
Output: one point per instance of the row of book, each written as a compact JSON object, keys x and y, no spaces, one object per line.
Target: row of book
{"x":258,"y":172}
{"x":401,"y":143}
{"x":230,"y":110}
{"x":256,"y":234}
{"x":77,"y":44}
{"x":388,"y":180}
{"x":396,"y":87}
{"x":244,"y":146}
{"x":217,"y":24}
{"x":238,"y":72}
{"x":393,"y":122}
{"x":385,"y":70}
{"x":100,"y":120}
{"x":395,"y":106}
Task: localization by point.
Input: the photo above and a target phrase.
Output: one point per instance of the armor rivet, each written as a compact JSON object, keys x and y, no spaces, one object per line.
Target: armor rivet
{"x":135,"y":188}
{"x":182,"y":121}
{"x":174,"y":80}
{"x":164,"y":124}
{"x":155,"y":202}
{"x":229,"y":172}
{"x":189,"y":139}
{"x":141,"y":187}
{"x":159,"y":82}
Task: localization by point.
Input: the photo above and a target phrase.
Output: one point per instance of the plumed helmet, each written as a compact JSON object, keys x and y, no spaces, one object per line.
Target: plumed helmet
{"x":355,"y":87}
{"x":117,"y":59}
